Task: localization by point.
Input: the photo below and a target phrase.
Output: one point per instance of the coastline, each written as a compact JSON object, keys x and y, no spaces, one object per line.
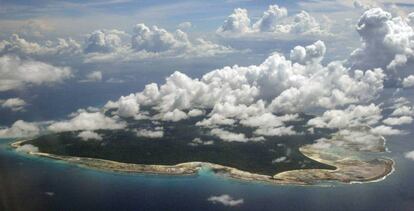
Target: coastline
{"x":348,"y":170}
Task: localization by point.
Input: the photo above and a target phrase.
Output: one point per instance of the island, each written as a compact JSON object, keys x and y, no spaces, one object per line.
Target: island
{"x":184,"y":149}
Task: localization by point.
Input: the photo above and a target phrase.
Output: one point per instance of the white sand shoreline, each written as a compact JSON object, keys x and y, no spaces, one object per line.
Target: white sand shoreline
{"x":293,"y":177}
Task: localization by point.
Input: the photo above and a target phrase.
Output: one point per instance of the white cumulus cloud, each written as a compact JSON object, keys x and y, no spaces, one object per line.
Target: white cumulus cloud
{"x":18,"y":73}
{"x":409,"y":155}
{"x":87,"y":121}
{"x":225,"y":200}
{"x":20,"y":129}
{"x":350,"y":117}
{"x":27,"y":148}
{"x":88,"y":135}
{"x":408,"y":81}
{"x":398,"y":120}
{"x":158,"y":132}
{"x":14,"y":104}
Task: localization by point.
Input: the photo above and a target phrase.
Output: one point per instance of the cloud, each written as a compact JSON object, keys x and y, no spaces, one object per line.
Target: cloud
{"x":146,"y":42}
{"x":94,"y":76}
{"x":174,"y":116}
{"x":268,"y":120}
{"x":154,"y":39}
{"x":270,"y":18}
{"x":158,"y":132}
{"x":410,"y":19}
{"x":88,"y":135}
{"x":14,"y":104}
{"x":225,"y":200}
{"x":352,"y":116}
{"x":386,"y":131}
{"x":18,"y":73}
{"x":19,"y":46}
{"x":184,"y":25}
{"x":197,"y":142}
{"x":152,"y":42}
{"x":35,"y":28}
{"x":355,"y":139}
{"x":238,"y":23}
{"x":304,"y":23}
{"x":274,"y":21}
{"x":364,"y":5}
{"x":331,"y":87}
{"x":268,"y":124}
{"x":87,"y":121}
{"x":386,"y":42}
{"x":409,"y":155}
{"x":103,"y":41}
{"x":27,"y":148}
{"x":240,"y":94}
{"x":277,"y":131}
{"x":408,"y":81}
{"x":228,"y":136}
{"x":312,"y":53}
{"x":215,"y":120}
{"x":127,"y":106}
{"x":403,"y":111}
{"x":398,"y":121}
{"x":279,"y":160}
{"x":195,"y":112}
{"x":20,"y":129}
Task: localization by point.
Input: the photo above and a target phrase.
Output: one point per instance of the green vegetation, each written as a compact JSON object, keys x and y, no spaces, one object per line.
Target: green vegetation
{"x":175,"y":147}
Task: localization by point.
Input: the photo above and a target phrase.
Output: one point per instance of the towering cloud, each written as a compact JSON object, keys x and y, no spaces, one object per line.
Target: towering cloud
{"x":387,"y":42}
{"x":304,"y":23}
{"x":274,"y":21}
{"x":311,"y":53}
{"x":154,"y":39}
{"x":237,"y":22}
{"x":103,"y":41}
{"x":271,"y":17}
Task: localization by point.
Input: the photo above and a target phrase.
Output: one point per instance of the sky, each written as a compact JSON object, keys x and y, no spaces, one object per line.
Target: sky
{"x":258,"y":64}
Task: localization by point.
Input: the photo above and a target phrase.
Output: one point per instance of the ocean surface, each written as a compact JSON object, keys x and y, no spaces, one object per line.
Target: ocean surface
{"x":32,"y":183}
